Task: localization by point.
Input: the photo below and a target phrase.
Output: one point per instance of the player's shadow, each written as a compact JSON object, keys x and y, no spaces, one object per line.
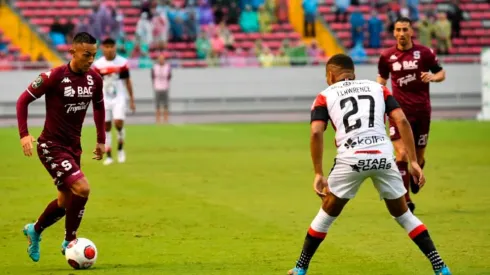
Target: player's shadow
{"x":102,"y":268}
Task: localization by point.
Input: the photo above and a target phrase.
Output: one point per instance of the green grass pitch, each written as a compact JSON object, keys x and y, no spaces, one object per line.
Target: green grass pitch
{"x":237,"y":199}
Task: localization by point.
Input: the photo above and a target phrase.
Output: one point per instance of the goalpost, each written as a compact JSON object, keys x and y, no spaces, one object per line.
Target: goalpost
{"x":485,"y":88}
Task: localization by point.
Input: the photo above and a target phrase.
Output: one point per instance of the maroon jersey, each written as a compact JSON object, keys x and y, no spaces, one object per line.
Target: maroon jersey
{"x":68,"y":96}
{"x":406,"y":68}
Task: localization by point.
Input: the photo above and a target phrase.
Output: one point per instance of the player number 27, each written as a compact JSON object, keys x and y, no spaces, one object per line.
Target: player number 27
{"x":355,"y":108}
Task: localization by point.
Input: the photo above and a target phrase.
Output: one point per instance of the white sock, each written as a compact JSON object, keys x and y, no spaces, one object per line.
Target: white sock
{"x":321,"y":223}
{"x":108,"y":140}
{"x":121,"y":134}
{"x":410,"y":223}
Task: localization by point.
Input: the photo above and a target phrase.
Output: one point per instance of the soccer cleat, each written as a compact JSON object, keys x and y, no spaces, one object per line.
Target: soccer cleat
{"x":411,"y":206}
{"x":33,"y":238}
{"x":297,"y":271}
{"x":415,"y":188}
{"x":121,"y":156}
{"x":443,"y":271}
{"x":108,"y":161}
{"x":64,"y":245}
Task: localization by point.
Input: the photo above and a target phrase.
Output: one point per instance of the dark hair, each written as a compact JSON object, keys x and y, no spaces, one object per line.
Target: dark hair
{"x":341,"y":60}
{"x":84,"y":37}
{"x":404,"y":20}
{"x":109,"y":41}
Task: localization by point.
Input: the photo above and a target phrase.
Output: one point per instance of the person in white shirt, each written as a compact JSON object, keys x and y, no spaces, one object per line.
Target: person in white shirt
{"x":161,"y":73}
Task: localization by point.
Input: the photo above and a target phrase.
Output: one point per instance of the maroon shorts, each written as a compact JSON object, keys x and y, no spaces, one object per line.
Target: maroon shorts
{"x":420,"y":124}
{"x":62,"y":162}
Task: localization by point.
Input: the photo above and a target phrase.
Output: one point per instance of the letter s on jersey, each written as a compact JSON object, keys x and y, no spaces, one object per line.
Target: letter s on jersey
{"x":90,"y":80}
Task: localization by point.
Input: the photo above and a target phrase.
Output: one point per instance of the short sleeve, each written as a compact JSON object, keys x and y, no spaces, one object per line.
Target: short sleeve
{"x":433,"y":62}
{"x":319,"y":109}
{"x":383,"y":68}
{"x":41,"y":85}
{"x":390,"y":101}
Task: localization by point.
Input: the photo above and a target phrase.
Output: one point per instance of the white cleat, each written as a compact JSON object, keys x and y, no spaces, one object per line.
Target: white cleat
{"x":108,"y":161}
{"x":121,"y":156}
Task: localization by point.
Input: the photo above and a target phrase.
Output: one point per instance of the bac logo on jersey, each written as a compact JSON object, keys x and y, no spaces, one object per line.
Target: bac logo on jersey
{"x":84,"y":91}
{"x":410,"y":65}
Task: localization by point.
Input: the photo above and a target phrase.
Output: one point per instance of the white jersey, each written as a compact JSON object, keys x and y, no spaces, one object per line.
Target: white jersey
{"x":113,"y":72}
{"x":357,"y":110}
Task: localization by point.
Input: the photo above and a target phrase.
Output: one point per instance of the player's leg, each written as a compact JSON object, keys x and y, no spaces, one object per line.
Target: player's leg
{"x":108,"y":136}
{"x":165,"y":106}
{"x":158,"y":113}
{"x":119,"y":117}
{"x":417,"y":232}
{"x":401,"y":162}
{"x":343,"y":184}
{"x":421,"y":136}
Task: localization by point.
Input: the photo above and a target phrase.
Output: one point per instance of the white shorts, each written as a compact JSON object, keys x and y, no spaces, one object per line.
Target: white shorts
{"x":348,"y":173}
{"x":115,"y":109}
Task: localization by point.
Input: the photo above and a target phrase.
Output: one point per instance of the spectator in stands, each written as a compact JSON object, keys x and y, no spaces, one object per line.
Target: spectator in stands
{"x":271,"y":7}
{"x":358,"y":53}
{"x":282,"y":11}
{"x":3,"y":45}
{"x":455,"y":15}
{"x":124,"y":47}
{"x":217,"y":43}
{"x":404,"y":11}
{"x":161,"y":74}
{"x":83,"y":25}
{"x":265,"y":20}
{"x":310,"y":8}
{"x":146,"y":7}
{"x":69,"y":29}
{"x":258,"y":47}
{"x":281,"y":59}
{"x":238,"y":58}
{"x":226,"y":35}
{"x":425,"y":31}
{"x":315,"y":54}
{"x":191,"y":26}
{"x":357,"y":26}
{"x":117,"y":24}
{"x":375,"y":28}
{"x":298,"y":54}
{"x":393,"y":13}
{"x":56,"y":33}
{"x":442,"y":31}
{"x":161,"y":28}
{"x":203,"y":46}
{"x":233,"y":13}
{"x":249,"y":21}
{"x":266,"y":58}
{"x":206,"y":16}
{"x":341,"y":7}
{"x":144,"y":30}
{"x":99,"y":19}
{"x":219,"y":14}
{"x":252,"y":59}
{"x":413,"y":7}
{"x":213,"y":59}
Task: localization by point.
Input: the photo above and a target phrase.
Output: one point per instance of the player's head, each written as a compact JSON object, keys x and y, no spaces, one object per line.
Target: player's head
{"x":83,"y":50}
{"x":340,"y":67}
{"x":109,"y":48}
{"x":161,"y":59}
{"x":403,"y":31}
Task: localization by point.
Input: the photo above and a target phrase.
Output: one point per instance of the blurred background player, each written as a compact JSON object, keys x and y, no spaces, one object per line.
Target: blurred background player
{"x":412,"y":68}
{"x":161,"y":74}
{"x":357,"y":110}
{"x":68,"y":90}
{"x":114,"y":70}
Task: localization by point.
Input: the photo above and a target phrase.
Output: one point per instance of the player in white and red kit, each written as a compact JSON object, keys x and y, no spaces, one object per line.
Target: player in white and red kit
{"x":68,"y":90}
{"x":412,"y":67}
{"x":356,"y":109}
{"x":117,"y":83}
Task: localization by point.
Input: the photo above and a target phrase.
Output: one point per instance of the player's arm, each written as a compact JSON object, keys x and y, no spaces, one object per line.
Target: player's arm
{"x":99,"y":118}
{"x":124,"y":74}
{"x":394,"y":111}
{"x":319,"y":122}
{"x":437,"y":73}
{"x":383,"y":71}
{"x":36,"y":90}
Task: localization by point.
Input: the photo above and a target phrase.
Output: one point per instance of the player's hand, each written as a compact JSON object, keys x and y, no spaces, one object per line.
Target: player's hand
{"x":426,"y":77}
{"x":26,"y":143}
{"x":417,"y":174}
{"x":99,"y":151}
{"x":320,"y":185}
{"x":132,"y":106}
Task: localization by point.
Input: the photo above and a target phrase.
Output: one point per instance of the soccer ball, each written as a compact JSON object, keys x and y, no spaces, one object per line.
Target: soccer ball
{"x":81,"y":253}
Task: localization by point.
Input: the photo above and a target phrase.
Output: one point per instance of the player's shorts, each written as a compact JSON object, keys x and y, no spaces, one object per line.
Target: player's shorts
{"x":62,"y":163}
{"x":420,"y":124}
{"x":161,"y":99}
{"x":115,"y":109}
{"x":348,"y":173}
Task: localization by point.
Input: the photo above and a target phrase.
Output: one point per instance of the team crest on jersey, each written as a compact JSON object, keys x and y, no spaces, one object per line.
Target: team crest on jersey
{"x":37,"y":82}
{"x":416,"y":54}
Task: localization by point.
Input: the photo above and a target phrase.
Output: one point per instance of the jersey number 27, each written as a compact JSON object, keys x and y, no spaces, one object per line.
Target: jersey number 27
{"x":355,"y":109}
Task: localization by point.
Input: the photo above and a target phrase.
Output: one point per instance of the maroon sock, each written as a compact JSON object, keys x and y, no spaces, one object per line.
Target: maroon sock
{"x":403,"y":167}
{"x":74,"y":214}
{"x":51,"y":214}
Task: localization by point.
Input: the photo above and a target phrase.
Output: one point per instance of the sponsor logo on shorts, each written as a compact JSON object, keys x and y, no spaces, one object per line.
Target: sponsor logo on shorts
{"x":360,"y":141}
{"x":371,"y":164}
{"x":75,"y":107}
{"x":406,"y":79}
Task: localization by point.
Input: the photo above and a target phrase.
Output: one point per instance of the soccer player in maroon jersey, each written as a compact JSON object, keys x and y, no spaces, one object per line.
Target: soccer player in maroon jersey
{"x":412,"y":68}
{"x":68,"y":90}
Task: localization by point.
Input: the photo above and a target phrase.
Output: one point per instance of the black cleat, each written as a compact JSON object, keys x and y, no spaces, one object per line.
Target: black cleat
{"x":415,"y":188}
{"x":411,"y":206}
